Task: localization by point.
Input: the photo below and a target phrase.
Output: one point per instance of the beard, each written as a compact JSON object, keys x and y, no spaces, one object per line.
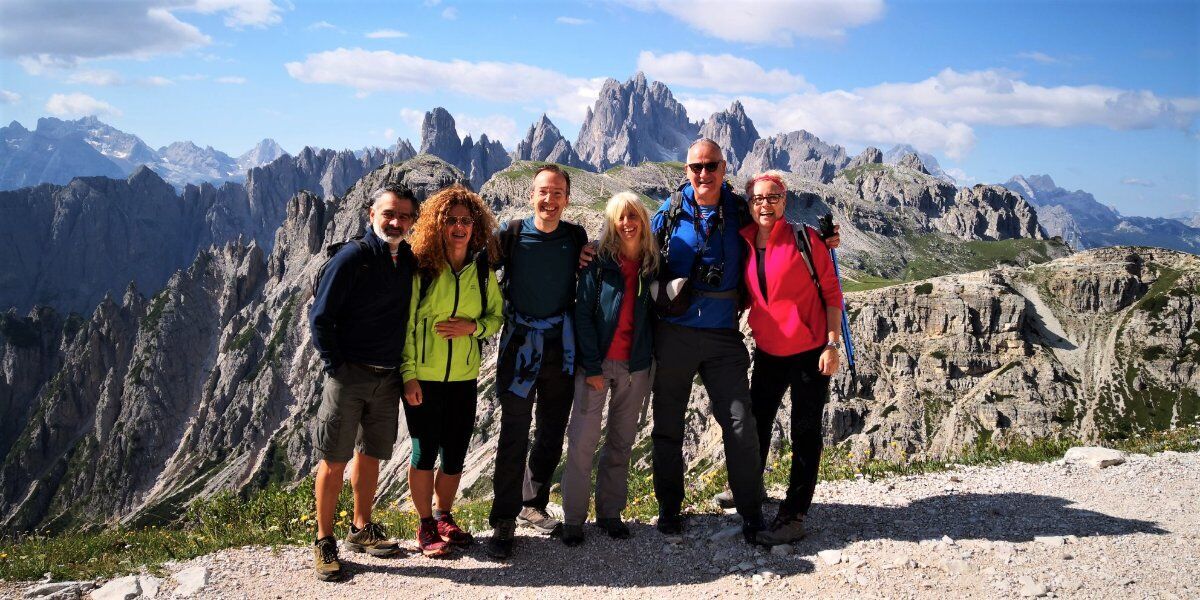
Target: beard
{"x":393,"y":236}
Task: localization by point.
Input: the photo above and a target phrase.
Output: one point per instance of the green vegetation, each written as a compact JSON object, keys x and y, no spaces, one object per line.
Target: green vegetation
{"x":283,"y":515}
{"x":934,"y":255}
{"x":853,"y":175}
{"x":242,"y":339}
{"x":861,"y":282}
{"x":1156,"y":298}
{"x":923,"y":289}
{"x":154,"y":314}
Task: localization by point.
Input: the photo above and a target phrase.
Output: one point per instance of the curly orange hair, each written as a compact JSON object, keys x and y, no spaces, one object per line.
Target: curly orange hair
{"x":428,"y":238}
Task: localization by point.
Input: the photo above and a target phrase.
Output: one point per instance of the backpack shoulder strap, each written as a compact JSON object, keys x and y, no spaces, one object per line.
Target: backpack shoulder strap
{"x":670,"y":220}
{"x":508,"y":245}
{"x":426,"y":281}
{"x":481,"y":275}
{"x":804,"y":245}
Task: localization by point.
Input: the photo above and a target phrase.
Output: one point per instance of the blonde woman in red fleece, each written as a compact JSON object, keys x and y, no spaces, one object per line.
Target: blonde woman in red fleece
{"x":796,"y":326}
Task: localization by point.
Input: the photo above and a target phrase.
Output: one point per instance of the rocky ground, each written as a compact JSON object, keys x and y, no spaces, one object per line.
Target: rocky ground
{"x":1063,"y":529}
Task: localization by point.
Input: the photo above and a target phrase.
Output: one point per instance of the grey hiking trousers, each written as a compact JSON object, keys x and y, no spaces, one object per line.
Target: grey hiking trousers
{"x":629,"y":394}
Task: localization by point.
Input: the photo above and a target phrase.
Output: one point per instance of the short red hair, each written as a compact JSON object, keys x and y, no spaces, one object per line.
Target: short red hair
{"x":772,"y":176}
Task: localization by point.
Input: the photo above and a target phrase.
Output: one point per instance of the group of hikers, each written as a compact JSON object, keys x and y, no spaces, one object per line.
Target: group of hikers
{"x":400,"y":315}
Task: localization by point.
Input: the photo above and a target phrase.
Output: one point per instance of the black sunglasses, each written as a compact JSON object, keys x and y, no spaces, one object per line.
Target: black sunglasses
{"x":711,"y":167}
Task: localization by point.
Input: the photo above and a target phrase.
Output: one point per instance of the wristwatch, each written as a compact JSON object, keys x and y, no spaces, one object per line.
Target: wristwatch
{"x":833,"y":345}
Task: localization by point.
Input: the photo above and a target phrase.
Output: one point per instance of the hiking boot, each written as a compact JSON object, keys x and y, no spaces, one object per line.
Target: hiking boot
{"x":538,"y":519}
{"x":372,"y":540}
{"x":325,"y":559}
{"x":750,"y":530}
{"x":572,"y":535}
{"x":785,"y":529}
{"x":501,"y":543}
{"x":670,"y":524}
{"x":450,"y":532}
{"x":432,"y":544}
{"x":725,"y":498}
{"x":615,"y":528}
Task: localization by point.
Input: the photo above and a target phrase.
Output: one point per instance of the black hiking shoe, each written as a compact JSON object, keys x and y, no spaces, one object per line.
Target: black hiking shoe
{"x":572,"y":535}
{"x":500,"y":545}
{"x":615,"y":528}
{"x":670,"y":524}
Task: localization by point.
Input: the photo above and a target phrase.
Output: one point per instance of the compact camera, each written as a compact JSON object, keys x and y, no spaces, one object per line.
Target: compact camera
{"x":710,"y":275}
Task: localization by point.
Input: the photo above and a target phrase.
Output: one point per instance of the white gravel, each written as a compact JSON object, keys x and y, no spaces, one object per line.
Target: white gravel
{"x":1017,"y":530}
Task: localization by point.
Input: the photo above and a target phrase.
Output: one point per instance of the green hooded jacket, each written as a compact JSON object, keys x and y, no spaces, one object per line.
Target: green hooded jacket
{"x":430,"y":357}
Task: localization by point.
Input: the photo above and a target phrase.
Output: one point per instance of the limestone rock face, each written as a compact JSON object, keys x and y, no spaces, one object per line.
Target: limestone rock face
{"x":211,"y":384}
{"x":798,"y":152}
{"x":870,"y":156}
{"x":262,"y":153}
{"x":478,"y":160}
{"x":632,"y":123}
{"x":1084,"y":222}
{"x":544,"y":143}
{"x":734,"y":132}
{"x":929,"y":163}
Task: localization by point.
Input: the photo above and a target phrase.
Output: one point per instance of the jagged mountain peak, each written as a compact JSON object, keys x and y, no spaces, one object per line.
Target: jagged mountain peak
{"x":545,"y":143}
{"x":733,"y":131}
{"x":799,"y":152}
{"x":634,"y":122}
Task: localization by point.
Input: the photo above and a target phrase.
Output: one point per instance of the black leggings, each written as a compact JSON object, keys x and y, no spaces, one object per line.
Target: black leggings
{"x":810,"y":390}
{"x":442,"y":424}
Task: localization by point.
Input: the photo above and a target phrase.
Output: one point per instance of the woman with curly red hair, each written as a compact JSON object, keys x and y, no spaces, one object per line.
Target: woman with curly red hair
{"x":456,"y":305}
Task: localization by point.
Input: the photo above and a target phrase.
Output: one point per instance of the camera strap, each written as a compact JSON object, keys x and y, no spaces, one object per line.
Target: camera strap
{"x":703,"y":234}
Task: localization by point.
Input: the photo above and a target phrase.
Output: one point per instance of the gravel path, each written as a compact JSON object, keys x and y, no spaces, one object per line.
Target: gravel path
{"x":1056,"y":530}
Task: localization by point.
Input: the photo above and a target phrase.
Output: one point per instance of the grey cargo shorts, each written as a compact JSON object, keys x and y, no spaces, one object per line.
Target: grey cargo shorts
{"x":358,"y":398}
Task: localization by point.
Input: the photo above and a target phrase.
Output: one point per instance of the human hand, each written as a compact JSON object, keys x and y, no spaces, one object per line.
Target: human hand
{"x":828,"y":363}
{"x":412,"y":392}
{"x":586,"y":254}
{"x":596,"y":382}
{"x":835,"y":240}
{"x":454,"y":327}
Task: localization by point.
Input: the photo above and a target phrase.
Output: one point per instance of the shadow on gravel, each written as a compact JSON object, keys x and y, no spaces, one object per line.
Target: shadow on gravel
{"x":1011,"y":517}
{"x":642,"y":561}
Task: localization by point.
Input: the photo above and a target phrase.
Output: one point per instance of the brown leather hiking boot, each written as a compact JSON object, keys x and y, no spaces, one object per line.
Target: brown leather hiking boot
{"x":325,"y":559}
{"x":372,"y":540}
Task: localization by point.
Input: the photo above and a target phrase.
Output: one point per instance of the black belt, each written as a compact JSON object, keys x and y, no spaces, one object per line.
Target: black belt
{"x":377,"y":369}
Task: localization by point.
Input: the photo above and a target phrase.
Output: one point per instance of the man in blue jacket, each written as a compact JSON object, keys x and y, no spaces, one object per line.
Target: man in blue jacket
{"x":358,"y":319}
{"x":704,"y":247}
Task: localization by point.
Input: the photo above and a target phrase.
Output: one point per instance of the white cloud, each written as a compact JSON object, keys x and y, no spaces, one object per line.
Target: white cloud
{"x":772,"y":22}
{"x":1137,"y":182}
{"x":193,"y":77}
{"x":450,"y":13}
{"x":939,"y":113}
{"x":412,"y":118}
{"x":723,"y":73}
{"x":960,"y":176}
{"x":230,"y":79}
{"x":431,"y":3}
{"x":242,"y":13}
{"x":324,"y":25}
{"x":497,"y":127}
{"x":572,"y":21}
{"x":95,"y":77}
{"x":157,"y":81}
{"x":1042,"y":57}
{"x":7,"y":97}
{"x":375,"y":71}
{"x":45,"y":35}
{"x":385,"y":34}
{"x":389,"y":134}
{"x":79,"y":105}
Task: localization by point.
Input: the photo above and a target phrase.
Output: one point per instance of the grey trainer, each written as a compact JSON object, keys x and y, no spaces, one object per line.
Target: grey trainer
{"x":539,"y":519}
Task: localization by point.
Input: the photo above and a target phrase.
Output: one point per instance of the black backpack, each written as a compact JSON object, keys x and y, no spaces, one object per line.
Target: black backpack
{"x":675,"y":208}
{"x":511,"y":234}
{"x":331,"y":251}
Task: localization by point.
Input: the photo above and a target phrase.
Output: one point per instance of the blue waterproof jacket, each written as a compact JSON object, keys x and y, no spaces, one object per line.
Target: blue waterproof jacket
{"x":724,"y":247}
{"x":598,"y":298}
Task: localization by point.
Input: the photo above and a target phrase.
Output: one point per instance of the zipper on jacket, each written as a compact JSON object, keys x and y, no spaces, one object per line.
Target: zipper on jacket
{"x":453,"y":313}
{"x":424,"y":338}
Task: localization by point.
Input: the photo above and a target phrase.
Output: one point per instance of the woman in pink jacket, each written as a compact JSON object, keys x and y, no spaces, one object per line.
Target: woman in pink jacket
{"x":796,"y":326}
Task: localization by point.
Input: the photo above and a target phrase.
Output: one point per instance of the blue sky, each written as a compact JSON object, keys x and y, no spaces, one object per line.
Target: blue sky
{"x":1104,"y":96}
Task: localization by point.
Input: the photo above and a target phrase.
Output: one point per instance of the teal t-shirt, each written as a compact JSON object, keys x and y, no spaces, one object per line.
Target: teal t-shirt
{"x":542,"y":271}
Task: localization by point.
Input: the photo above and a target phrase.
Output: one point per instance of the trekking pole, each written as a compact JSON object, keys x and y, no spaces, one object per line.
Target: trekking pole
{"x":826,"y":231}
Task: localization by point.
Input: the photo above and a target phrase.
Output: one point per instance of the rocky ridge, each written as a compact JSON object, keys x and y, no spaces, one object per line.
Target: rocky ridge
{"x":797,"y":152}
{"x":632,"y":123}
{"x":544,"y":143}
{"x":733,"y":131}
{"x":896,"y":154}
{"x":478,"y":160}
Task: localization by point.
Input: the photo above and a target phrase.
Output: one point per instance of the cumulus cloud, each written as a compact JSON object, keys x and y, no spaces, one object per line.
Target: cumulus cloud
{"x":96,"y":77}
{"x":572,"y":21}
{"x":7,"y":97}
{"x":450,"y":13}
{"x":497,"y":127}
{"x":386,"y":34}
{"x":230,"y":79}
{"x":939,"y":113}
{"x":723,"y":73}
{"x":242,"y":13}
{"x":53,"y":34}
{"x":157,"y":81}
{"x":368,"y":71}
{"x":1137,"y":182}
{"x":79,"y":105}
{"x":772,"y":22}
{"x":960,"y":176}
{"x":324,"y":25}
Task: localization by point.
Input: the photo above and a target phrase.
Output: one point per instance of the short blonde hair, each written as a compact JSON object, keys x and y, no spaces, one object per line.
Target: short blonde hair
{"x":610,"y":241}
{"x":773,"y":176}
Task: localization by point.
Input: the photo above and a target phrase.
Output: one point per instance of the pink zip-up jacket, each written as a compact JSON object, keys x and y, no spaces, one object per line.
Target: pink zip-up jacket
{"x":788,"y":317}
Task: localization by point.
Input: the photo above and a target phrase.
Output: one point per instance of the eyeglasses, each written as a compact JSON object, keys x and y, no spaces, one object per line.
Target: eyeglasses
{"x":771,"y":199}
{"x":711,"y":166}
{"x":451,"y":221}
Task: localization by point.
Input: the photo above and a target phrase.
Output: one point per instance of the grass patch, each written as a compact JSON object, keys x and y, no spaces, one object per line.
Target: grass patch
{"x":923,"y":289}
{"x":861,"y":282}
{"x":934,"y":255}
